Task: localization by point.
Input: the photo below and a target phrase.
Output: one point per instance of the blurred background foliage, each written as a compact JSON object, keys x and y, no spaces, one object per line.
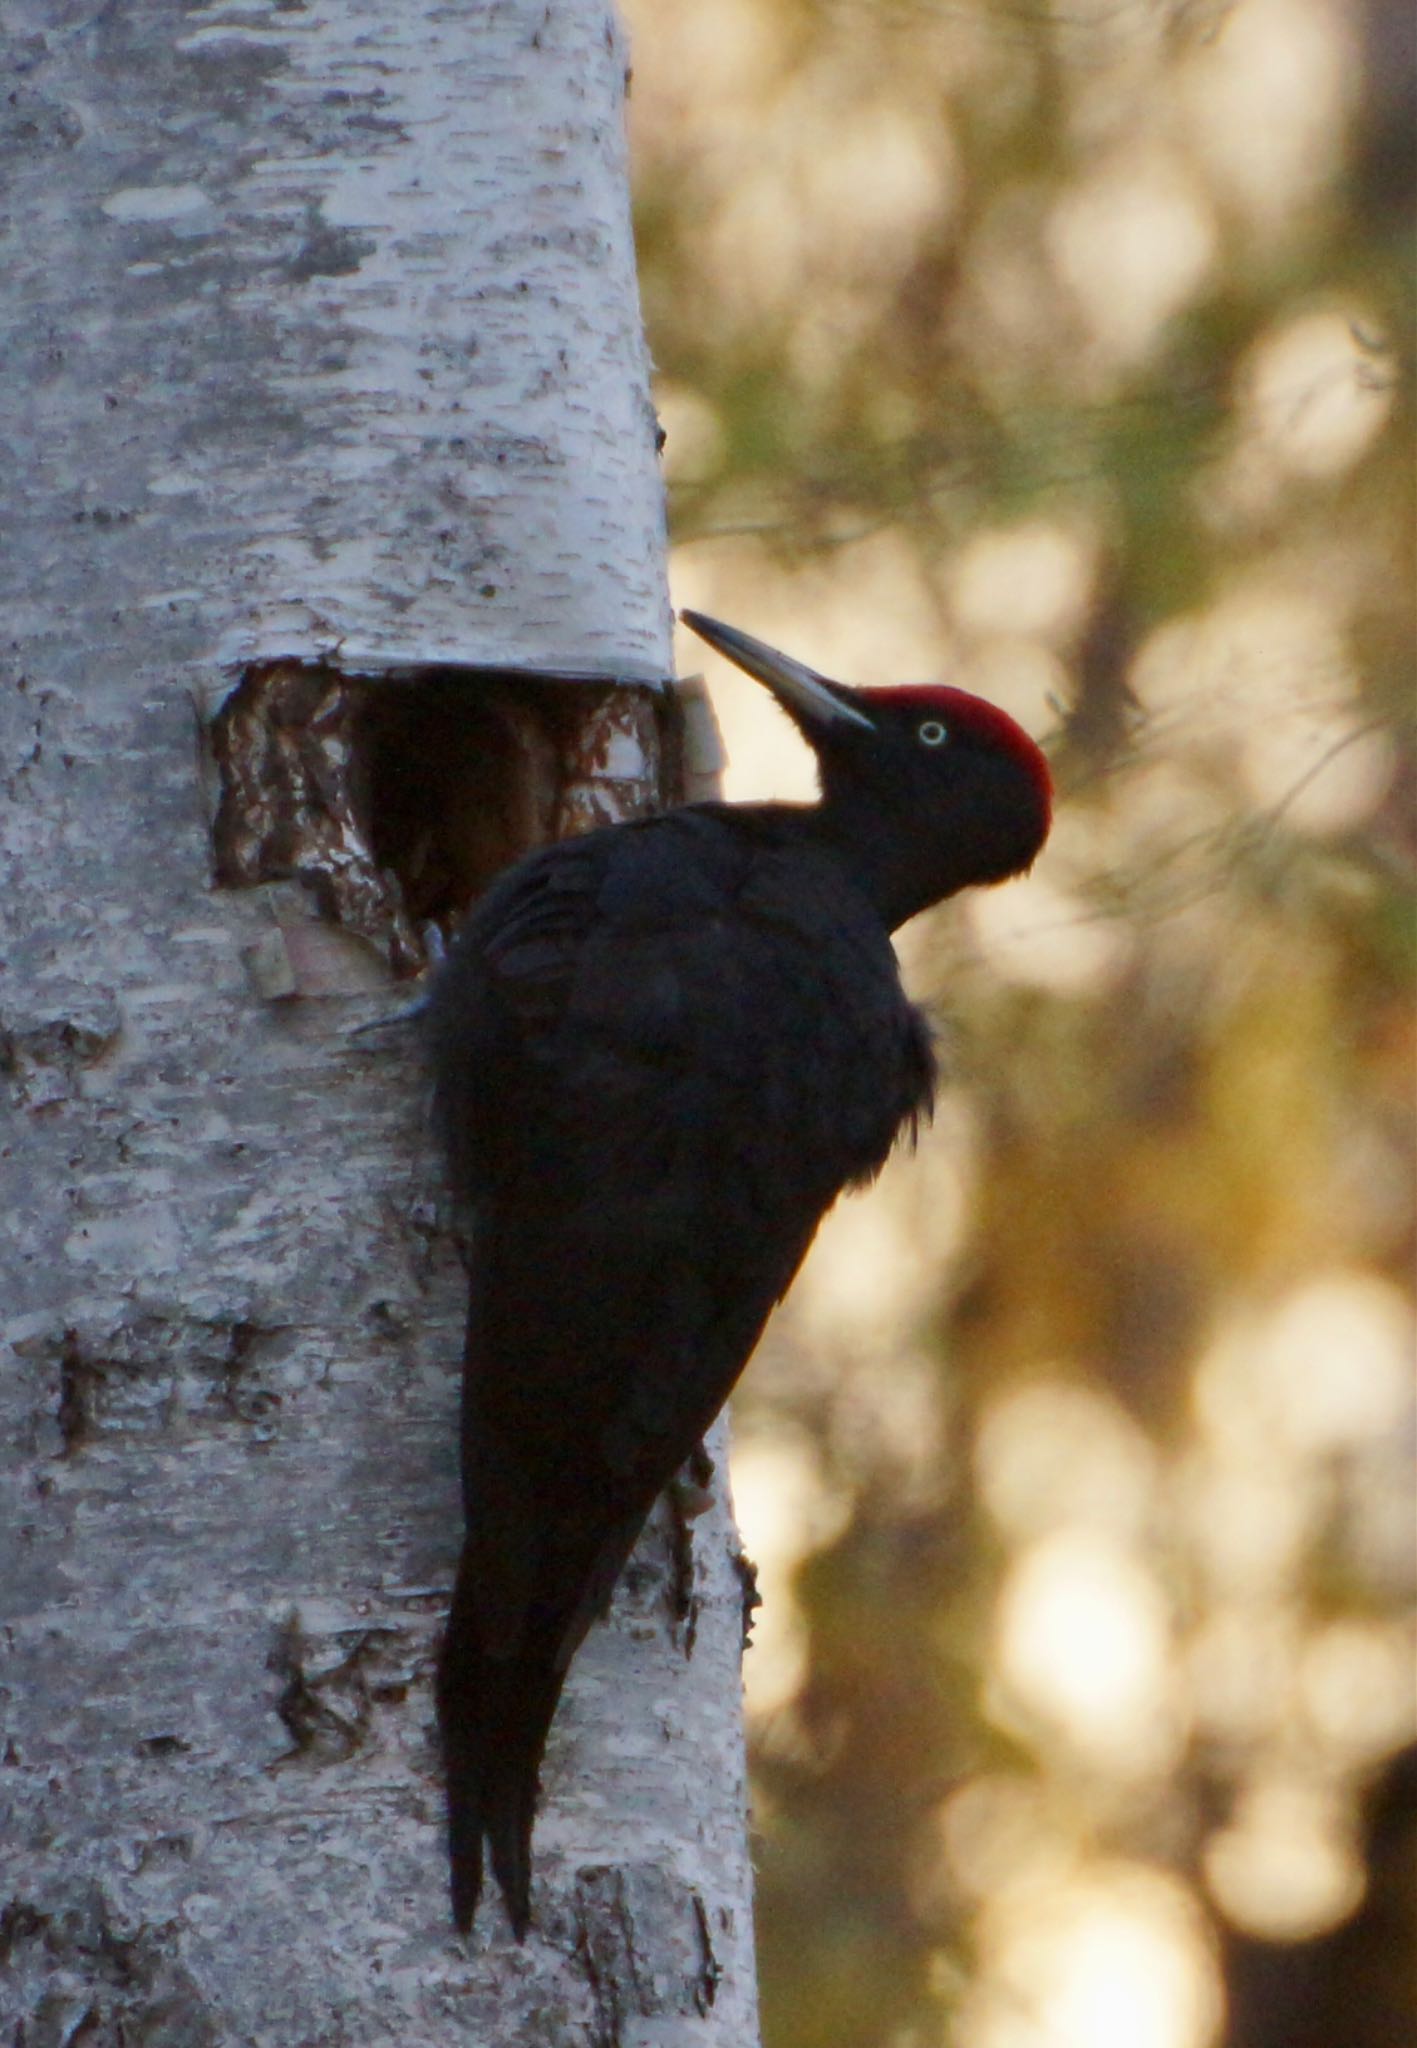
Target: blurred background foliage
{"x":1065,"y":351}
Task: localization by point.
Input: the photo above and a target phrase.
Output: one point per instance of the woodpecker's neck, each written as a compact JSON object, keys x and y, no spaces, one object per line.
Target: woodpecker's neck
{"x":898,"y":877}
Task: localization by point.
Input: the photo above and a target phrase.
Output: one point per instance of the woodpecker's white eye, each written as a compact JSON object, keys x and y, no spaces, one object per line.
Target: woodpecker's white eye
{"x":932,"y":733}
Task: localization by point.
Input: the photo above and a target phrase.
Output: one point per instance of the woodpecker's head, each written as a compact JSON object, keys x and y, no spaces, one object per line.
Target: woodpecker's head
{"x":933,"y":789}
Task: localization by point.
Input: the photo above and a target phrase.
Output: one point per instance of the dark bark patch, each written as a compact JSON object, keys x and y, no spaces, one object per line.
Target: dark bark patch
{"x":332,"y":1689}
{"x":747,"y":1572}
{"x":43,"y":1053}
{"x":155,"y":1374}
{"x":643,"y":1942}
{"x":78,"y":1378}
{"x":242,"y":1394}
{"x":319,"y":1731}
{"x":72,"y":1976}
{"x":328,"y":251}
{"x":159,"y":1746}
{"x":690,"y":1495}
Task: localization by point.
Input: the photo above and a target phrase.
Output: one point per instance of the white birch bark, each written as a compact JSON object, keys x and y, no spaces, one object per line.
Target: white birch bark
{"x":320,"y":337}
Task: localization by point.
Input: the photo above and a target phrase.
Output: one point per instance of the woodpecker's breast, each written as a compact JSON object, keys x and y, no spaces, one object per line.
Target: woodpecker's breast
{"x":857,"y":1063}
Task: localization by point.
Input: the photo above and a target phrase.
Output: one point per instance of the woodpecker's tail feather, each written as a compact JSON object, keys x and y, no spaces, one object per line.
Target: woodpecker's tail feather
{"x":461,"y":1689}
{"x":494,"y":1714}
{"x":512,"y":1632}
{"x":508,"y":1815}
{"x":464,"y":1831}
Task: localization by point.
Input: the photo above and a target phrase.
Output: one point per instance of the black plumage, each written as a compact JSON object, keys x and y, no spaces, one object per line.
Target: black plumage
{"x":661,"y":1050}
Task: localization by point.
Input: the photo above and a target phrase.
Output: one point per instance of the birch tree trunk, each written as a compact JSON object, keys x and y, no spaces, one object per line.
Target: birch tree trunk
{"x":324,"y":395}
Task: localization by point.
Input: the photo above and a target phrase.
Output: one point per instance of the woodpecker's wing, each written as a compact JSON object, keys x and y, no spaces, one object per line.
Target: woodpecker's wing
{"x":661,"y":1052}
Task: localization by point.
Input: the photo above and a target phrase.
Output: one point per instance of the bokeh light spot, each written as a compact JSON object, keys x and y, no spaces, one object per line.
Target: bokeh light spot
{"x":1284,"y":1869}
{"x":1084,"y":1643}
{"x":1118,"y":1960}
{"x":1056,"y":1453}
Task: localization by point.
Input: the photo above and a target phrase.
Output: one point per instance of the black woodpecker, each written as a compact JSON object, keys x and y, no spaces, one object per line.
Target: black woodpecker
{"x":661,"y":1050}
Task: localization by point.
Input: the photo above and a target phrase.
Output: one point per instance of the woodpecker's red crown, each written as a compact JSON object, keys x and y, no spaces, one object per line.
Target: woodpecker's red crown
{"x":964,"y":714}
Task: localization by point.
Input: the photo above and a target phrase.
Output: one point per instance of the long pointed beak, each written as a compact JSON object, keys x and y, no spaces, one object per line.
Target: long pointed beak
{"x":798,"y":688}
